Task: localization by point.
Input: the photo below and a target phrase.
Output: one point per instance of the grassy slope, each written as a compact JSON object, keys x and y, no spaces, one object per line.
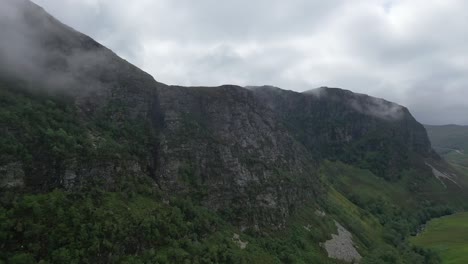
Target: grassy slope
{"x":448,"y":236}
{"x":380,"y":214}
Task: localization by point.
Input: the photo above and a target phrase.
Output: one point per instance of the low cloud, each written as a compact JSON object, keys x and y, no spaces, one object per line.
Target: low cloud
{"x":46,"y":53}
{"x":379,"y":108}
{"x":409,"y":51}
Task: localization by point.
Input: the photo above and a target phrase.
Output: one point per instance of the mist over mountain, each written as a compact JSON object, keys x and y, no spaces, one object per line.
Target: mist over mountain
{"x":409,"y":52}
{"x":112,"y":166}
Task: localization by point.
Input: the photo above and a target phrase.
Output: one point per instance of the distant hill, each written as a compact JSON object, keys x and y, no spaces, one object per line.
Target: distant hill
{"x":451,"y":142}
{"x":448,"y":138}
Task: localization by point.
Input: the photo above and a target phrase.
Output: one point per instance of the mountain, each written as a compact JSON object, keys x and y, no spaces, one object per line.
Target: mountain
{"x":101,"y":163}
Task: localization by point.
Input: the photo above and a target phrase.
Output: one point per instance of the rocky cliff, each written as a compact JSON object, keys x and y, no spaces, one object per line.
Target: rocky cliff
{"x":355,"y":128}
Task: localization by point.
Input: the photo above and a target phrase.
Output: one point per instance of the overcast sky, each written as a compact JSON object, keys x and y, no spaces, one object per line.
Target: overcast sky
{"x":413,"y":52}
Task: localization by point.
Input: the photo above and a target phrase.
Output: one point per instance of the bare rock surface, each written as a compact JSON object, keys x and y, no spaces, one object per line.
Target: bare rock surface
{"x":441,"y":175}
{"x":341,"y":246}
{"x":12,"y":175}
{"x":239,"y":242}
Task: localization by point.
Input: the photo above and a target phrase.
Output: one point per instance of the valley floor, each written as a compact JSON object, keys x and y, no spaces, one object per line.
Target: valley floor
{"x":448,"y":236}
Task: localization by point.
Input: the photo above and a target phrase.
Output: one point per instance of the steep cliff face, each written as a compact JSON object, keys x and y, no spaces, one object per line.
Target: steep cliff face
{"x":226,"y":140}
{"x":340,"y":125}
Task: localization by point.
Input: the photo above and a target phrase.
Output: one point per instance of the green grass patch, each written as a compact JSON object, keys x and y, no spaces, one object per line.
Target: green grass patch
{"x":448,"y":236}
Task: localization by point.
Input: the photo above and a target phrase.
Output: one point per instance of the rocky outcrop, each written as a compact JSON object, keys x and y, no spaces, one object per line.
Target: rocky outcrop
{"x":242,"y":244}
{"x":11,"y":175}
{"x":444,"y":176}
{"x":341,"y":246}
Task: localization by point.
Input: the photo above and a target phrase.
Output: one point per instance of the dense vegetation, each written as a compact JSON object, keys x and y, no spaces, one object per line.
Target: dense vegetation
{"x":138,"y":225}
{"x":97,"y":227}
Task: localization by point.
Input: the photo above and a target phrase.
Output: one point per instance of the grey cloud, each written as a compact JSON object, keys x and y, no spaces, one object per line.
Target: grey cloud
{"x":380,"y":108}
{"x":409,"y":51}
